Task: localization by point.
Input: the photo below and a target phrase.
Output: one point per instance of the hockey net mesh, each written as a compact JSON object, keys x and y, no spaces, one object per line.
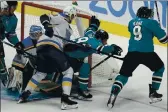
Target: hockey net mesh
{"x":30,"y":13}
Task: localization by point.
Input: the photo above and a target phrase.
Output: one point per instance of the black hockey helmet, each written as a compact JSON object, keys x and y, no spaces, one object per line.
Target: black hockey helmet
{"x":101,"y":34}
{"x":145,"y":12}
{"x":12,"y":3}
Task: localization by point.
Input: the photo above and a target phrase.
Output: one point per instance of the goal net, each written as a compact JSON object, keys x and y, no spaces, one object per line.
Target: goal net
{"x":30,"y":12}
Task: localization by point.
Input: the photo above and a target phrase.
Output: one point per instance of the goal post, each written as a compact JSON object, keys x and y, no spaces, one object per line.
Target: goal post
{"x":48,"y":9}
{"x":30,"y":13}
{"x":23,"y":12}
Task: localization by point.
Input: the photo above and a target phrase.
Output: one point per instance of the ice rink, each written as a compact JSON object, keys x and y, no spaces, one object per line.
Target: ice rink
{"x":133,"y":98}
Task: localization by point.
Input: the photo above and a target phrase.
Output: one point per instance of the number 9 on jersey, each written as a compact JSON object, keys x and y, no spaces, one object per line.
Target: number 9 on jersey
{"x":137,"y":33}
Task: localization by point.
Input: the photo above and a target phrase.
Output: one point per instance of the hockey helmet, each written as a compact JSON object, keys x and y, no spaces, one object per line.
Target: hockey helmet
{"x":145,"y":12}
{"x":3,"y":5}
{"x":70,"y":11}
{"x":35,"y":32}
{"x":101,"y":34}
{"x":12,"y":3}
{"x":6,"y":5}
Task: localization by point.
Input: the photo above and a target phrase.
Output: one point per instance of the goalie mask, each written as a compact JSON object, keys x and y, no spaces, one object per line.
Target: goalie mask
{"x":70,"y":13}
{"x":145,"y":12}
{"x":35,"y":32}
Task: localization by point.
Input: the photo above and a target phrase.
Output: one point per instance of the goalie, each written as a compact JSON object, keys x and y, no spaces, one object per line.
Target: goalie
{"x":22,"y":64}
{"x":24,"y":67}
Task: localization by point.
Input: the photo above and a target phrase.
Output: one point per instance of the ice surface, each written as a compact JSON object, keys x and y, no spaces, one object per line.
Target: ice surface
{"x":133,"y":98}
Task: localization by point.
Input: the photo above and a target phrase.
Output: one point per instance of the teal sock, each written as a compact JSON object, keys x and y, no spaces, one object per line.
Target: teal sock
{"x":157,"y":78}
{"x":120,"y":81}
{"x":83,"y":78}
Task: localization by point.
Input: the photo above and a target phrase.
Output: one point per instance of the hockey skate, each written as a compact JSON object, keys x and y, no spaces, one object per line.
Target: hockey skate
{"x":82,"y":95}
{"x":24,"y":96}
{"x":154,"y":96}
{"x":67,"y":104}
{"x":112,"y":99}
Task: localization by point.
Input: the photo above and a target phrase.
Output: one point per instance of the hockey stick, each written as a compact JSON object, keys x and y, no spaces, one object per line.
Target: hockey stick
{"x":80,"y":45}
{"x":157,"y":10}
{"x":30,"y":55}
{"x":100,"y":62}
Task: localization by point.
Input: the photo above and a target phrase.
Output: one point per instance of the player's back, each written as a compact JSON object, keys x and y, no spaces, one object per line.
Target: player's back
{"x":61,"y":28}
{"x":85,"y":52}
{"x":142,"y":31}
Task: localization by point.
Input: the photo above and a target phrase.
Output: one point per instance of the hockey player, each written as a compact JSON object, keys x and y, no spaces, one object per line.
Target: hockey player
{"x":8,"y":23}
{"x":51,"y":58}
{"x":93,"y":39}
{"x":141,"y":51}
{"x":23,"y":66}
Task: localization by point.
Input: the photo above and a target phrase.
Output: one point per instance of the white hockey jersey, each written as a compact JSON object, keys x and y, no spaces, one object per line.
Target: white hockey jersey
{"x":60,"y":27}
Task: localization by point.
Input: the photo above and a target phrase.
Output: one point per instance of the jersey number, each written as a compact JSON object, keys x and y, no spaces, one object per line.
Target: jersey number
{"x":137,"y":33}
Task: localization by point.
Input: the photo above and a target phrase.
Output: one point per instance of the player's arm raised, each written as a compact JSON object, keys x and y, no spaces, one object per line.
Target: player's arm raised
{"x":45,"y":21}
{"x":93,"y":27}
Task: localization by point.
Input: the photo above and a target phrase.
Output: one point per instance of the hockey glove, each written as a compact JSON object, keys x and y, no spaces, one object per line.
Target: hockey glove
{"x":94,"y":22}
{"x":117,"y":50}
{"x":48,"y":30}
{"x":45,"y":21}
{"x":20,"y":48}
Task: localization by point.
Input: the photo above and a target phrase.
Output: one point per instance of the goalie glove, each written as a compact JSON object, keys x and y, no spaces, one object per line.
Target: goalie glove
{"x":94,"y":22}
{"x":117,"y":50}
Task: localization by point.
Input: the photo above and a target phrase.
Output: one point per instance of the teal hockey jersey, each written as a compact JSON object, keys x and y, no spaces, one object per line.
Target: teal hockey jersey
{"x":92,"y":42}
{"x":10,"y":24}
{"x":142,"y":32}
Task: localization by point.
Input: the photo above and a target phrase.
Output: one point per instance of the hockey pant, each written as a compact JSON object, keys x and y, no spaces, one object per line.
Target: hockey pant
{"x":84,"y":70}
{"x":66,"y":81}
{"x":151,"y":60}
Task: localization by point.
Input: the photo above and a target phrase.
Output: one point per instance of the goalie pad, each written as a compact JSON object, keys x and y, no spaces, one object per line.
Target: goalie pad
{"x":15,"y":79}
{"x":19,"y":62}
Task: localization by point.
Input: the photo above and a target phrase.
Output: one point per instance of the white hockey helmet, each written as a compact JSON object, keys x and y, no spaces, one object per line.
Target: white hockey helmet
{"x":69,"y":11}
{"x":3,"y":5}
